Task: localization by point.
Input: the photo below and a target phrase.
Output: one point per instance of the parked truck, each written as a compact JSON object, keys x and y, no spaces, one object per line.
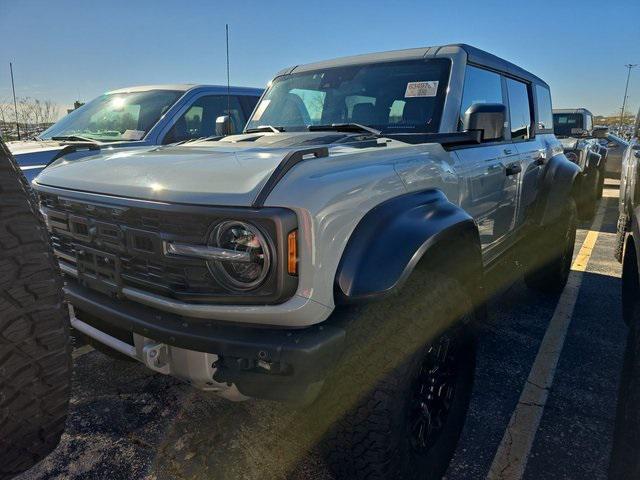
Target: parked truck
{"x":139,"y":116}
{"x":334,"y":254}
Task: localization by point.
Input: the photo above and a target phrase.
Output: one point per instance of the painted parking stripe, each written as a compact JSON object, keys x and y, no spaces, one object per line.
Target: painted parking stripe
{"x":514,"y":449}
{"x":83,"y":350}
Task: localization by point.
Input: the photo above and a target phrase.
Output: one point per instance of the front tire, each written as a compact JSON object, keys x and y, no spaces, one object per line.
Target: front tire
{"x":551,"y":254}
{"x":35,"y":348}
{"x":399,"y":398}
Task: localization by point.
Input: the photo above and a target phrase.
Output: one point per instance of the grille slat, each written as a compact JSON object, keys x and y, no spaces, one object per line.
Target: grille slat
{"x":119,"y":231}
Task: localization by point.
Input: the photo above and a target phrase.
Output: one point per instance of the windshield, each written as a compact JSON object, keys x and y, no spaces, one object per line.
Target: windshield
{"x":390,"y":97}
{"x":567,"y":124}
{"x":116,"y":116}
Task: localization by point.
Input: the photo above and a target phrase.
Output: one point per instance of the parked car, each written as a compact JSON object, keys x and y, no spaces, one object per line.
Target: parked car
{"x":616,"y":147}
{"x":136,"y":116}
{"x":580,"y":140}
{"x":333,"y":254}
{"x":625,"y":457}
{"x":35,"y":349}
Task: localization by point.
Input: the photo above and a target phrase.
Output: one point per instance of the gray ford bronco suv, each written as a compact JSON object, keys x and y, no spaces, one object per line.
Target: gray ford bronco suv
{"x":333,"y":255}
{"x":581,"y":142}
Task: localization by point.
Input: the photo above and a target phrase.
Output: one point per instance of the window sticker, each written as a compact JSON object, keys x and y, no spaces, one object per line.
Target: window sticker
{"x":260,"y":110}
{"x":421,"y":89}
{"x":132,"y":135}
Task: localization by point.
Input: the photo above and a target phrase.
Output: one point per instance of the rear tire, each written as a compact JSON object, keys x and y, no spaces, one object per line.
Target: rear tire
{"x":35,"y":348}
{"x":552,"y":253}
{"x":621,"y":232}
{"x":398,"y":400}
{"x":589,"y":201}
{"x":601,"y":176}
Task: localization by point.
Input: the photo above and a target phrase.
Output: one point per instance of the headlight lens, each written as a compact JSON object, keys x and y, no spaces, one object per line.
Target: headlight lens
{"x":242,"y":237}
{"x":572,"y":157}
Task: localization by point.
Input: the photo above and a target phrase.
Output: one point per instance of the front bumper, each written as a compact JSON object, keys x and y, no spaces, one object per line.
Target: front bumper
{"x":237,"y":361}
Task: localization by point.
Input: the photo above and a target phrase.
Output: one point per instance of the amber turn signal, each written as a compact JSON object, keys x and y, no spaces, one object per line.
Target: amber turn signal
{"x":292,"y":256}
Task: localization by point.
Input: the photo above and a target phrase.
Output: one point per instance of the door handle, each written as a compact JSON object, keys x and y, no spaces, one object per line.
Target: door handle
{"x":513,"y":169}
{"x":507,"y":151}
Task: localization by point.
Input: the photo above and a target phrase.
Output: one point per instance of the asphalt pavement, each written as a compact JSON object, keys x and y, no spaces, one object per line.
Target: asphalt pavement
{"x":129,"y":423}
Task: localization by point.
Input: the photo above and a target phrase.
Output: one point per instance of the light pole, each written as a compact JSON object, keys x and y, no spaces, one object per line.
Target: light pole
{"x":626,"y":89}
{"x":15,"y":105}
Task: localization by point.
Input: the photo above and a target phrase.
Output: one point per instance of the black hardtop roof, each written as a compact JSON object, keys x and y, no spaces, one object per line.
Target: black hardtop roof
{"x":474,"y":55}
{"x":572,"y":110}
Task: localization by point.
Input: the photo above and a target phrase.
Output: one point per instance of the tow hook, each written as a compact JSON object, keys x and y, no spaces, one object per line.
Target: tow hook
{"x":156,"y":357}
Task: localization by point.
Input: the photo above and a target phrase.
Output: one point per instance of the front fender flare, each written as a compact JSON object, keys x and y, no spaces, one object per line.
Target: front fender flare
{"x":391,"y":239}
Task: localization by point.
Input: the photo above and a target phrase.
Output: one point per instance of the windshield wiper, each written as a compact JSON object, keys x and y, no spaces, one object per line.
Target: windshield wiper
{"x":74,"y":138}
{"x":265,"y":128}
{"x":344,"y":127}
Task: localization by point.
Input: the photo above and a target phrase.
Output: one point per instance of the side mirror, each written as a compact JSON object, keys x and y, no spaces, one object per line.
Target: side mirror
{"x":224,"y":126}
{"x":600,"y":132}
{"x":488,"y":118}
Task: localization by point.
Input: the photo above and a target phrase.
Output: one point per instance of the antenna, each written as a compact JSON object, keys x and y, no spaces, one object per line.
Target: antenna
{"x":228,"y":81}
{"x":15,"y":105}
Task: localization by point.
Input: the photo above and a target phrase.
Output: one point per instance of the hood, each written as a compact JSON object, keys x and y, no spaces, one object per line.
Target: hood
{"x":569,"y":143}
{"x":207,"y":175}
{"x":34,"y":152}
{"x":230,"y":172}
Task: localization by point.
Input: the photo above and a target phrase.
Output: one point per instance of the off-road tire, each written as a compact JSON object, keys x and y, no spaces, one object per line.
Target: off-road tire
{"x":35,"y":348}
{"x":369,"y":402}
{"x":621,"y":231}
{"x":625,"y":461}
{"x":589,"y":201}
{"x":551,"y":254}
{"x":601,"y":178}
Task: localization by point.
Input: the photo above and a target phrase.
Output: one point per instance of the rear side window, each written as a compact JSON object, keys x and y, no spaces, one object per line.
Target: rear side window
{"x":519,"y":111}
{"x":543,"y":108}
{"x":480,"y":86}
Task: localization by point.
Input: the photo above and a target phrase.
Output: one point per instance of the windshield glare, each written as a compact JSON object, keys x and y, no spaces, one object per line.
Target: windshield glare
{"x":116,"y":116}
{"x":392,"y":97}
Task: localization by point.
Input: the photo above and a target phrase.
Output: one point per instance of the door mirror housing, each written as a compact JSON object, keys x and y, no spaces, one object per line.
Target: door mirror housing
{"x":600,"y":132}
{"x":488,"y":118}
{"x":224,"y":126}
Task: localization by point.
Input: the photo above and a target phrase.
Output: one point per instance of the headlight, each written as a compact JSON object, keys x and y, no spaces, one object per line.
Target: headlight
{"x":572,"y":157}
{"x":249,"y":272}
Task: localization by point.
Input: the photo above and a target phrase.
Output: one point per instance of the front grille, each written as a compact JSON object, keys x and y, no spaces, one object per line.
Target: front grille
{"x":112,"y":247}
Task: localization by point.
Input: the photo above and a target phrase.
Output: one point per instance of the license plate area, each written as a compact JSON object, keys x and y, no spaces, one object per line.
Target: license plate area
{"x":99,"y":270}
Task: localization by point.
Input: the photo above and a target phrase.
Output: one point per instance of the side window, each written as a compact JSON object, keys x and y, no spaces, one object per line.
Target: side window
{"x":480,"y":86}
{"x":588,"y":126}
{"x":519,"y":111}
{"x":248,"y":103}
{"x":200,"y":118}
{"x":543,"y":108}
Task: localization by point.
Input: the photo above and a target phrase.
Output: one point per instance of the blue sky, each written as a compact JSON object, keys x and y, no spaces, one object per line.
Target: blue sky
{"x":67,"y":49}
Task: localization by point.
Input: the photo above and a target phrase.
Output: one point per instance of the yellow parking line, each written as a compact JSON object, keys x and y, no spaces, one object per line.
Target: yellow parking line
{"x":582,"y":259}
{"x":513,"y":452}
{"x":78,"y":352}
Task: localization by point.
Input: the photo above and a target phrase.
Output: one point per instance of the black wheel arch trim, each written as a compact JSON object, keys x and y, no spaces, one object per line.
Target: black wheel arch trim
{"x":558,"y":186}
{"x":392,"y":238}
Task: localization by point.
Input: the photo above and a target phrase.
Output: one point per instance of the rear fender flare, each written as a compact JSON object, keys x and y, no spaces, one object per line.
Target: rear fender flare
{"x":559,"y":184}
